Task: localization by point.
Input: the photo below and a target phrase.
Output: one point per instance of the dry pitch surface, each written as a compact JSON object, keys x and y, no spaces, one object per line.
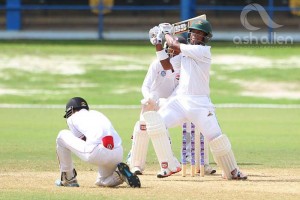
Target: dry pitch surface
{"x":262,"y":184}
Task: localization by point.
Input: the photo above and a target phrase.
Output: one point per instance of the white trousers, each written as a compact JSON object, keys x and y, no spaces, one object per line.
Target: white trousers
{"x":104,"y":158}
{"x":196,"y":109}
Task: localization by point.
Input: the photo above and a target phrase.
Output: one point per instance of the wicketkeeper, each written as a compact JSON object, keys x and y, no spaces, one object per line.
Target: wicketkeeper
{"x":158,"y":85}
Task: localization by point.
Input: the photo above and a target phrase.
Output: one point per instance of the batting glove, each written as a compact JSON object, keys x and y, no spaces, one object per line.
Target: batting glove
{"x":155,"y":35}
{"x":166,"y":28}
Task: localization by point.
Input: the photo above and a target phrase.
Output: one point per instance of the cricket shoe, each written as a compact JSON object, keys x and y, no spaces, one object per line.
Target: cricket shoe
{"x":236,"y":175}
{"x":166,"y":172}
{"x":130,"y":178}
{"x":208,"y":170}
{"x":111,"y":181}
{"x":67,"y":182}
{"x":137,"y":171}
{"x":188,"y":158}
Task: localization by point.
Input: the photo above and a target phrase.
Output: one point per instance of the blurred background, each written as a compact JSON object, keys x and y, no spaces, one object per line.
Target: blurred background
{"x":131,"y":19}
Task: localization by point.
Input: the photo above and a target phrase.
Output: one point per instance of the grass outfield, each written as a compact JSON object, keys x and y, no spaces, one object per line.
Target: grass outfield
{"x":260,"y":138}
{"x":266,"y":142}
{"x":49,"y":72}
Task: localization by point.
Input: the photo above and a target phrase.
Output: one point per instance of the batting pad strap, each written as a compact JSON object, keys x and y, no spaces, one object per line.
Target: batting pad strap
{"x":162,"y":55}
{"x":220,"y":145}
{"x":155,"y":121}
{"x":224,"y":157}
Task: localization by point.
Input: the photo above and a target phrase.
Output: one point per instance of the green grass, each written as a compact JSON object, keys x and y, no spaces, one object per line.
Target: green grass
{"x":102,"y":86}
{"x":261,"y":138}
{"x":30,"y":133}
{"x":267,"y":138}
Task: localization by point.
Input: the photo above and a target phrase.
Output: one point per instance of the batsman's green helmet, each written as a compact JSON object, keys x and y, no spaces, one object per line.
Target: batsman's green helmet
{"x":202,"y":25}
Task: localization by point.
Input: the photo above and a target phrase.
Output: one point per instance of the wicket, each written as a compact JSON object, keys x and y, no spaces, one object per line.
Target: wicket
{"x":196,"y":151}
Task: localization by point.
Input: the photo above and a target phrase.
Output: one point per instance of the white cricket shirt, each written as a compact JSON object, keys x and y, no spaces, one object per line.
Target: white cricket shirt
{"x":194,"y":72}
{"x":94,"y":125}
{"x":159,"y":81}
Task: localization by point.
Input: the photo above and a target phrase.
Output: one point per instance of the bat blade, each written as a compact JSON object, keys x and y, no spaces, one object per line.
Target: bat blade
{"x":183,"y":26}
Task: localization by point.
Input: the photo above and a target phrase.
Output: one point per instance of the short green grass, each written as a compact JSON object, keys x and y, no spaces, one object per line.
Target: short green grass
{"x":30,"y":133}
{"x":102,"y":86}
{"x":267,"y":138}
{"x":261,"y":138}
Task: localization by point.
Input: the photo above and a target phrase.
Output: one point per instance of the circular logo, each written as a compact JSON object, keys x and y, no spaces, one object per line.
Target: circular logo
{"x":163,"y":73}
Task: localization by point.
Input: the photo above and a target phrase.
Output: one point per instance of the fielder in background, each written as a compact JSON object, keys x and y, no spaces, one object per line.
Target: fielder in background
{"x":93,"y":139}
{"x":192,"y":101}
{"x":158,"y":85}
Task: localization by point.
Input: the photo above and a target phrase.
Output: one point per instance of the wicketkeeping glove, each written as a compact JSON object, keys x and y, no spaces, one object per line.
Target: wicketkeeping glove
{"x":166,"y":28}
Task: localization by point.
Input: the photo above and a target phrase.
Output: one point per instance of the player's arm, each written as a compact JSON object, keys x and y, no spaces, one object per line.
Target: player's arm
{"x":168,"y":30}
{"x":147,"y":84}
{"x":172,"y":42}
{"x":148,"y":80}
{"x":74,"y":128}
{"x":166,"y":64}
{"x":155,"y":36}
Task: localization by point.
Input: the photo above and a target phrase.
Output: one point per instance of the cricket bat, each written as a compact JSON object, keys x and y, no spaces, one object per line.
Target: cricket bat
{"x":183,"y":26}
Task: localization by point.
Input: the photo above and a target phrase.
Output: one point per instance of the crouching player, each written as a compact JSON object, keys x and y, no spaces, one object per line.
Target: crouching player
{"x":93,"y":139}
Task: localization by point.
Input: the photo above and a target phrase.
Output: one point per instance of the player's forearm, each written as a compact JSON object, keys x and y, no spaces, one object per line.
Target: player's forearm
{"x":163,"y":57}
{"x":145,"y":91}
{"x":172,"y":42}
{"x":159,"y":47}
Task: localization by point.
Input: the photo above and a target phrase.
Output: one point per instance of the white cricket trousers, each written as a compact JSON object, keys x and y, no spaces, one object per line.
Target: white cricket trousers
{"x":193,"y":108}
{"x":104,"y":158}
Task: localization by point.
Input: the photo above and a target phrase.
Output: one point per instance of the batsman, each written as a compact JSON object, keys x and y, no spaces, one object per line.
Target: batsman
{"x":192,"y":101}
